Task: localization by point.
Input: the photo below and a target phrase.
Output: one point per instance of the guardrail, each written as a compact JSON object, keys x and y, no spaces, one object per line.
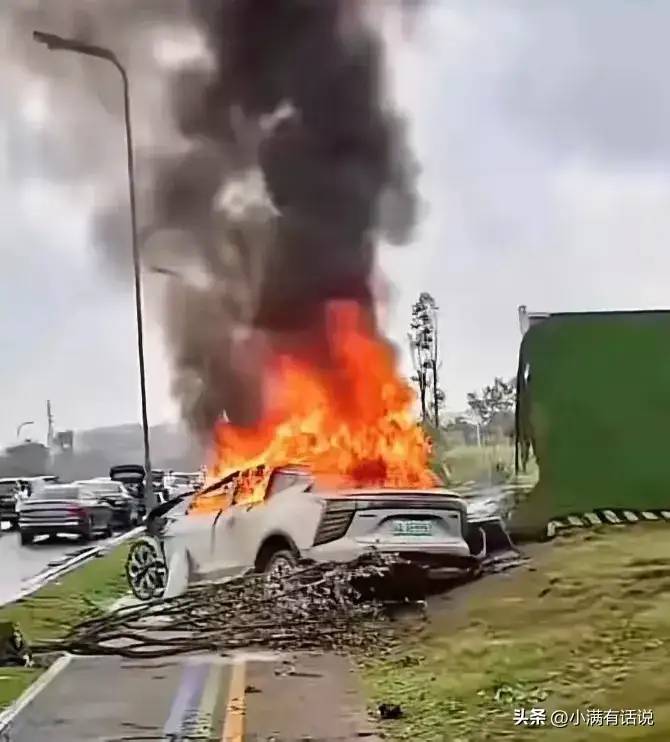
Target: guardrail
{"x":49,"y":575}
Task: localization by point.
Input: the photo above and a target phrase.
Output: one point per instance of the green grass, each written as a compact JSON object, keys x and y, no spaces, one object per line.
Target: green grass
{"x":588,"y":627}
{"x":49,"y":612}
{"x":478,"y":463}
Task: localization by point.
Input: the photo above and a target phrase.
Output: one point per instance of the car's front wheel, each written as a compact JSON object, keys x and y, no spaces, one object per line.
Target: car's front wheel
{"x":145,"y":570}
{"x":26,"y":538}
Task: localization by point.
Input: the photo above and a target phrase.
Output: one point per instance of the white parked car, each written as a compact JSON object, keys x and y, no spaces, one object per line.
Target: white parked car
{"x":298,"y":520}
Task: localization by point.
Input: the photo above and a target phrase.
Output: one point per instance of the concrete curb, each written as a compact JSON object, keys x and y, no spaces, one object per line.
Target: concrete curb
{"x":8,"y":715}
{"x":30,"y":694}
{"x":49,"y":575}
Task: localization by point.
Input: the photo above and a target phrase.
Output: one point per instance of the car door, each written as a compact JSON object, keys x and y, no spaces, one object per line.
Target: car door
{"x":235,"y":540}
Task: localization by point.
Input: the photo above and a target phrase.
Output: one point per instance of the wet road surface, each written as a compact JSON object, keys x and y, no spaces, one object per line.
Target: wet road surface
{"x":251,"y":697}
{"x":21,"y":564}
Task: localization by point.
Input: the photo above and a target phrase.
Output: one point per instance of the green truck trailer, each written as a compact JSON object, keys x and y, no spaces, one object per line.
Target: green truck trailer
{"x":593,"y":407}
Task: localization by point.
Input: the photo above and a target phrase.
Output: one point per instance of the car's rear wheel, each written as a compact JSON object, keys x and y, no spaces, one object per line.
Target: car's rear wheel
{"x":146,"y":571}
{"x":26,"y":538}
{"x":278,"y":565}
{"x":87,"y":531}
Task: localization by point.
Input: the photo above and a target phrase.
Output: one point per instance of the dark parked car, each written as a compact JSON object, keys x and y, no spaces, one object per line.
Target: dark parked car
{"x":64,"y":508}
{"x":132,"y":478}
{"x":9,"y":495}
{"x":125,"y":507}
{"x":15,"y":490}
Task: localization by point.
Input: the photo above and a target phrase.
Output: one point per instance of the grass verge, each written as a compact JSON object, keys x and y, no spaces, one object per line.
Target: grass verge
{"x":48,"y":613}
{"x":487,"y":464}
{"x":587,"y":626}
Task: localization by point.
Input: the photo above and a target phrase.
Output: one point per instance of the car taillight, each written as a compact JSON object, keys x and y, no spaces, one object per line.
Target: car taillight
{"x":335,"y":521}
{"x":76,"y":510}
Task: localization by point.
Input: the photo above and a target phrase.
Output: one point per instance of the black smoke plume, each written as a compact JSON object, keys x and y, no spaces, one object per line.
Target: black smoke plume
{"x":285,"y":165}
{"x":297,"y":95}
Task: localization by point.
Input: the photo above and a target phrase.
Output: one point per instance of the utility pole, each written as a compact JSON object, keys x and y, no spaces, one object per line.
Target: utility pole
{"x":50,"y":425}
{"x":51,"y":41}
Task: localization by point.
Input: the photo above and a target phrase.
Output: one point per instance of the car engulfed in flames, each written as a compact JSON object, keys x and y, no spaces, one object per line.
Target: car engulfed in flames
{"x":336,"y":465}
{"x":302,"y":517}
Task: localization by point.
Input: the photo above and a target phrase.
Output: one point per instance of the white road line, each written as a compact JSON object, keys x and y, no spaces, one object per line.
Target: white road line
{"x":42,"y":579}
{"x":31,"y":693}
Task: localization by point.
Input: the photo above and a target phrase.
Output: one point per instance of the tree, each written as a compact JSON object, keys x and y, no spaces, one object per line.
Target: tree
{"x":424,"y":347}
{"x":495,"y":398}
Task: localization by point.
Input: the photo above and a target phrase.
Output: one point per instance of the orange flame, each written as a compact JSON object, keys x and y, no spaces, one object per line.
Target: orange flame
{"x":353,"y":419}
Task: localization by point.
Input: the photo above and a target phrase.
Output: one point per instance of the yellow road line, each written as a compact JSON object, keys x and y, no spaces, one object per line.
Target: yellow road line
{"x":233,"y":720}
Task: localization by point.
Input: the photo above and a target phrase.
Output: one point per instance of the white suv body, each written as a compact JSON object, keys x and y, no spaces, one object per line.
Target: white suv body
{"x":298,"y":520}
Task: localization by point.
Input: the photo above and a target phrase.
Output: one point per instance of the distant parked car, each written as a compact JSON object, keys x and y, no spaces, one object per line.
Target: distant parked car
{"x":159,"y":485}
{"x":10,"y":493}
{"x":64,"y":508}
{"x":132,"y":477}
{"x":125,"y":507}
{"x":16,"y":490}
{"x":181,"y":483}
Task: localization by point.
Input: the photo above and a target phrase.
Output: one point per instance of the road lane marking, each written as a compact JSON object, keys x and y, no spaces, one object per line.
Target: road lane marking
{"x":204,"y":722}
{"x":187,"y":696}
{"x":233,"y":720}
{"x":34,"y":583}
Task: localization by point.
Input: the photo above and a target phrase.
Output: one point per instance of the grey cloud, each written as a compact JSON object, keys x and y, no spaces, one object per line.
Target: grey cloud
{"x":591,"y":79}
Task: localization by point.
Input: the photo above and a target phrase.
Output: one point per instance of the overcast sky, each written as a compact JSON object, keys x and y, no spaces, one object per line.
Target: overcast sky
{"x":543,"y":131}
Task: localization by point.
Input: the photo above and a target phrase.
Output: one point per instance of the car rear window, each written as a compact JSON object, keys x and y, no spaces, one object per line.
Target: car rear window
{"x":104,"y":487}
{"x":59,"y":492}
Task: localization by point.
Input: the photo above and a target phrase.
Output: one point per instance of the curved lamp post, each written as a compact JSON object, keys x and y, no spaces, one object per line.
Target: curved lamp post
{"x":21,"y":427}
{"x":53,"y":42}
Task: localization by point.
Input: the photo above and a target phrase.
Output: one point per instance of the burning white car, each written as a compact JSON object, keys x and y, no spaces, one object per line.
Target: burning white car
{"x":299,"y":519}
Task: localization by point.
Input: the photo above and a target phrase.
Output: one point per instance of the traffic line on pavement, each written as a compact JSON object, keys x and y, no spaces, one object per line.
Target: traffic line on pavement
{"x":233,"y":720}
{"x":204,"y":724}
{"x":49,"y":575}
{"x":187,"y":697}
{"x":33,"y":690}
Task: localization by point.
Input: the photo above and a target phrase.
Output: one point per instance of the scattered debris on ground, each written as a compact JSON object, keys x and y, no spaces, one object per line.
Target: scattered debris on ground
{"x":327,"y":606}
{"x":390,"y":711}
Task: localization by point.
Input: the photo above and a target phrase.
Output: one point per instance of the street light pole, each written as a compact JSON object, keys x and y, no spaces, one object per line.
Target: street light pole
{"x":51,"y":41}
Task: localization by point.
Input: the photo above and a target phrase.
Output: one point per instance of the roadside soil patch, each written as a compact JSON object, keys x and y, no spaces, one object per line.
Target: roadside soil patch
{"x":586,"y":626}
{"x":50,"y":613}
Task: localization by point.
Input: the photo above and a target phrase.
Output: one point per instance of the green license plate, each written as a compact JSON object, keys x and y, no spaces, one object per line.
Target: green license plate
{"x":412,"y":528}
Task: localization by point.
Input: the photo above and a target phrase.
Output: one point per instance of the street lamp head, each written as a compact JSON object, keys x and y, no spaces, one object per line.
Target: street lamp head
{"x":52,"y":41}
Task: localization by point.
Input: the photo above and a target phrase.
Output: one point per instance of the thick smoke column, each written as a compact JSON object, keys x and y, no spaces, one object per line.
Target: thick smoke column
{"x":262,"y":192}
{"x":296,"y":96}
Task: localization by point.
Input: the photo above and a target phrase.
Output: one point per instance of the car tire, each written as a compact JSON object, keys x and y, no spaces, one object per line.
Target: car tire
{"x":26,"y":538}
{"x":87,"y":532}
{"x":277,"y":565}
{"x":146,"y":570}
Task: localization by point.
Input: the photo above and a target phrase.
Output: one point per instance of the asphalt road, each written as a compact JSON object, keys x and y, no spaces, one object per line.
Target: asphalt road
{"x":248,"y":697}
{"x":21,"y":564}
